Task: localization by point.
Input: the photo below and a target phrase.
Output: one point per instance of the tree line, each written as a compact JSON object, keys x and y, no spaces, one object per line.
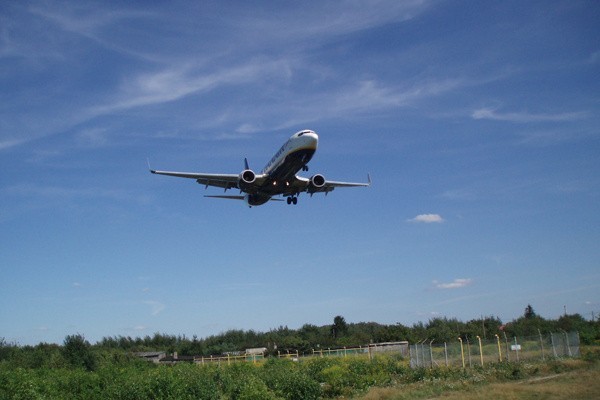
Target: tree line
{"x":76,"y":351}
{"x":342,"y":334}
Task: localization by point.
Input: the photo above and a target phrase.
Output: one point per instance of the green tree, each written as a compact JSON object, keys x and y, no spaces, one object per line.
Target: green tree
{"x":78,"y":352}
{"x":529,"y":313}
{"x":339,"y":327}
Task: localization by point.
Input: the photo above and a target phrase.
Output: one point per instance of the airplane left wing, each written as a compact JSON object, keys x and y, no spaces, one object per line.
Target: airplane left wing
{"x":313,"y":185}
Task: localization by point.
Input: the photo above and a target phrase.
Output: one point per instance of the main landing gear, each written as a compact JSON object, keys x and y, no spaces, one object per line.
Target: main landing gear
{"x":292,"y":200}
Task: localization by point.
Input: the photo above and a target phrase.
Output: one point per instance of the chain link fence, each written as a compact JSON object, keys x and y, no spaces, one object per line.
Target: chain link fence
{"x":469,"y":352}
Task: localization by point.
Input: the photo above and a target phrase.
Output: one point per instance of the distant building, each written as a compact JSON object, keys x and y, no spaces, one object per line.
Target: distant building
{"x":153,"y":356}
{"x":256,"y":351}
{"x":175,"y":358}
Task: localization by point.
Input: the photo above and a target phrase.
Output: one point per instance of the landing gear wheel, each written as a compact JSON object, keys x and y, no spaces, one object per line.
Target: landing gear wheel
{"x":292,"y":200}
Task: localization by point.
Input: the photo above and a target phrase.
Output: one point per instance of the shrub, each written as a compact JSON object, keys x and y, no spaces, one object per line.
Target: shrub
{"x":289,"y":380}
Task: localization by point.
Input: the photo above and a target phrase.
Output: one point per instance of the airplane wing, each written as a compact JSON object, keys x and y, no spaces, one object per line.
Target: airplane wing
{"x":304,"y":185}
{"x":225,"y":181}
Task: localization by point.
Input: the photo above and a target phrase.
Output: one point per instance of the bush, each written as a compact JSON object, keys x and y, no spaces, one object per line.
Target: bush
{"x":78,"y":353}
{"x":289,"y":380}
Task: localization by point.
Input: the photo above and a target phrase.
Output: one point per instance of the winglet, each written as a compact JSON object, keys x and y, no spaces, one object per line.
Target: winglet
{"x":369,"y":179}
{"x":153,"y":171}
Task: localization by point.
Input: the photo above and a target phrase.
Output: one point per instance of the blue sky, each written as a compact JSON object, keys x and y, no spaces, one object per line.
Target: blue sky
{"x":478,"y":122}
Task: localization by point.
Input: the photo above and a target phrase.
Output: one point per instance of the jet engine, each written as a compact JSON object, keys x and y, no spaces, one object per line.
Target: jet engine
{"x":317,"y":181}
{"x":246,"y":178}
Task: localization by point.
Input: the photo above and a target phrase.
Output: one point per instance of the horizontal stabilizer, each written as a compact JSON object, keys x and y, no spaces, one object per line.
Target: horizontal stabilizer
{"x":233,"y":197}
{"x":226,"y":197}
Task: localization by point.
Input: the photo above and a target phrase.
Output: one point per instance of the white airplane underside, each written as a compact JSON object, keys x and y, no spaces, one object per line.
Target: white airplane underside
{"x":278,"y":178}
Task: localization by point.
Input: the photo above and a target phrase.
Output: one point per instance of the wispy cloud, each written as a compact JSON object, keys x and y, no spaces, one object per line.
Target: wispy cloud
{"x":459,"y":194}
{"x":140,"y":328}
{"x":455,"y":284}
{"x":164,"y":71}
{"x":57,"y":192}
{"x":176,"y":82}
{"x":90,"y":22}
{"x":371,"y":94}
{"x":427,"y":218}
{"x":525,"y":117}
{"x":8,"y":143}
{"x":156,"y":306}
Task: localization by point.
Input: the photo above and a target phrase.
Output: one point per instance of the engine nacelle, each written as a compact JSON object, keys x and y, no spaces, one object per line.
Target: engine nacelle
{"x":317,"y":181}
{"x":247,"y":177}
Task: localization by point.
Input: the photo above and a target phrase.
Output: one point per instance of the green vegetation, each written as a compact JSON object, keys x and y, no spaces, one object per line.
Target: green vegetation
{"x":109,"y":368}
{"x":312,"y":378}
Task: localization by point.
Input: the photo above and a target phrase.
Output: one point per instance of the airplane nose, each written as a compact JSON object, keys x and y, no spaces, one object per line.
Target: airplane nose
{"x":314,"y":137}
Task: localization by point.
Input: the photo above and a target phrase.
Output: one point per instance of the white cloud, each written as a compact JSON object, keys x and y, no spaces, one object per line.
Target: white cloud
{"x":156,"y":306}
{"x":427,"y":218}
{"x":455,"y":284}
{"x":8,"y":143}
{"x":177,"y":82}
{"x":525,"y":117}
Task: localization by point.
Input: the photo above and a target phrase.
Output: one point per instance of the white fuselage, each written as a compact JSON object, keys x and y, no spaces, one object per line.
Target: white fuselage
{"x":295,"y":153}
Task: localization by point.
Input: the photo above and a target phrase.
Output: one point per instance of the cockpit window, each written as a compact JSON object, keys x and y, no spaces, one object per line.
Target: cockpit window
{"x":302,"y":133}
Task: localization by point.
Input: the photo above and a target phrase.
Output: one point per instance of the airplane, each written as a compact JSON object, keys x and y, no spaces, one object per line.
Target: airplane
{"x":278,"y":177}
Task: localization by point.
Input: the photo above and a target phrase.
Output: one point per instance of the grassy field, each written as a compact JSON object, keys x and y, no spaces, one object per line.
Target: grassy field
{"x":573,"y":379}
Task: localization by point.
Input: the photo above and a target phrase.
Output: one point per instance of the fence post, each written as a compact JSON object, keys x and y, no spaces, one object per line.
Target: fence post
{"x":499,"y":350}
{"x":480,"y":350}
{"x":553,"y":346}
{"x":462,"y":352}
{"x":542,"y":345}
{"x":567,"y":344}
{"x":507,"y":348}
{"x":431,"y":353}
{"x":446,"y":353}
{"x":517,"y":348}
